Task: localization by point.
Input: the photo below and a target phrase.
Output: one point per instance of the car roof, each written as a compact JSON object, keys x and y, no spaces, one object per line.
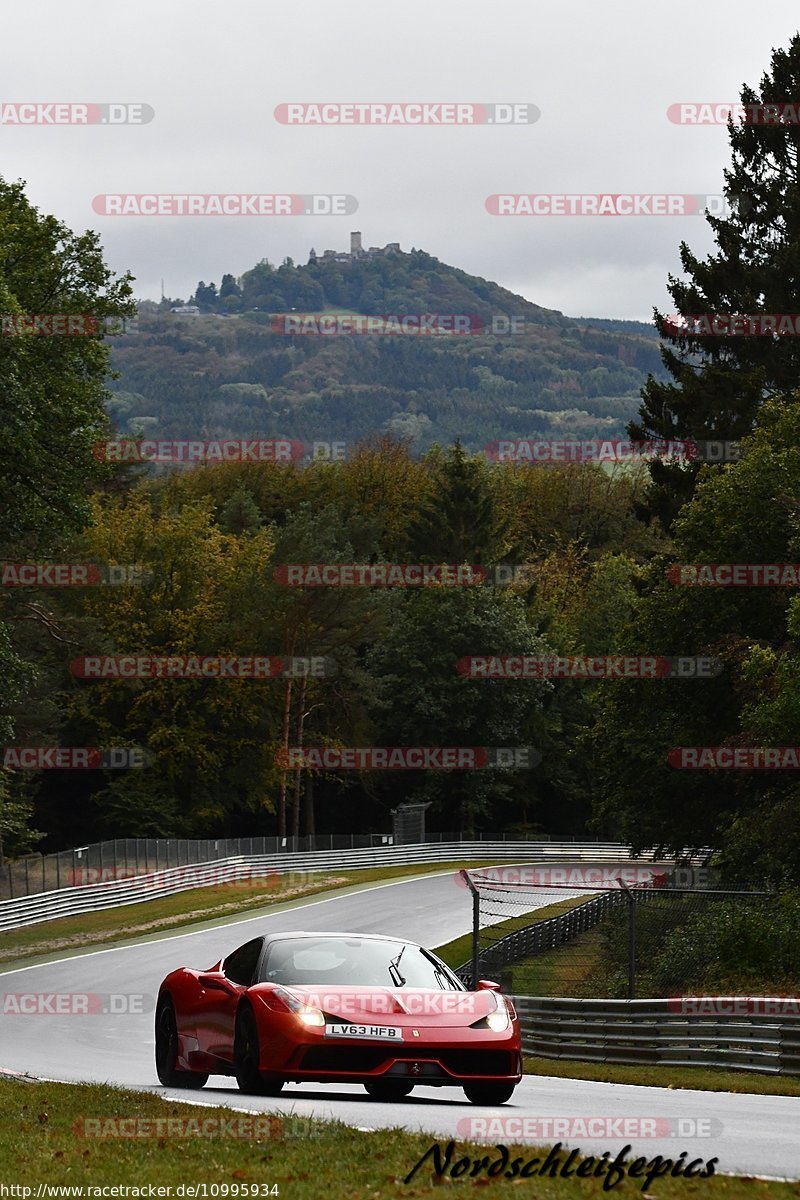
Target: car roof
{"x":327,"y":933}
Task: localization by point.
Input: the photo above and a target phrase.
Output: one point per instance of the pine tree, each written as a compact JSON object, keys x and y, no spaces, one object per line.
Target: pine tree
{"x":719,"y":383}
{"x":457,"y":520}
{"x":239,"y":514}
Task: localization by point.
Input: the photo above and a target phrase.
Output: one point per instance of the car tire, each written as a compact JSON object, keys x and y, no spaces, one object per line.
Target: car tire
{"x":389,"y":1089}
{"x":489,"y":1093}
{"x":247,"y":1055}
{"x":167,"y":1049}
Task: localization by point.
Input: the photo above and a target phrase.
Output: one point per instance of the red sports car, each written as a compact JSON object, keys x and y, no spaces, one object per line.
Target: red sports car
{"x":336,"y":1008}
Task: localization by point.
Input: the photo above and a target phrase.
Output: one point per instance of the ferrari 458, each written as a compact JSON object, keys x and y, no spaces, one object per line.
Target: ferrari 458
{"x":336,"y":1008}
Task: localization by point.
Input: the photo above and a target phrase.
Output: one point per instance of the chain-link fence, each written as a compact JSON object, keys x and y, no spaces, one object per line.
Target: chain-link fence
{"x":617,"y":931}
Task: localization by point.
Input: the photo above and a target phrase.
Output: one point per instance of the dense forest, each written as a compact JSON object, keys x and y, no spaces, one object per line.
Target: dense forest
{"x":229,"y":372}
{"x":209,"y":543}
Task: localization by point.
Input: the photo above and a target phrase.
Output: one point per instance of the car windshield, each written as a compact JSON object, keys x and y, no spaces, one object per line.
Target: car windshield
{"x":362,"y":962}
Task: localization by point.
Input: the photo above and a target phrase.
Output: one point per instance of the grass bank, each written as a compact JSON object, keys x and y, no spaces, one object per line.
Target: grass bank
{"x":63,"y":1135}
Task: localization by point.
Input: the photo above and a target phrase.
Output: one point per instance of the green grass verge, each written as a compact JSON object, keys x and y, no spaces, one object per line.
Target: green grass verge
{"x":206,"y":904}
{"x":458,"y":952}
{"x":568,"y":970}
{"x":43,"y":1141}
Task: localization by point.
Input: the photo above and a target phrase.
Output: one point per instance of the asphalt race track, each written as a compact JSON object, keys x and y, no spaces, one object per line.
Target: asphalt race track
{"x":748,"y":1134}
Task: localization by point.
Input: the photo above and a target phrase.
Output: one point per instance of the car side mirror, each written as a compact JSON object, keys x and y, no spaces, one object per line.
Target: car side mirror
{"x":217,"y":982}
{"x":487,"y":985}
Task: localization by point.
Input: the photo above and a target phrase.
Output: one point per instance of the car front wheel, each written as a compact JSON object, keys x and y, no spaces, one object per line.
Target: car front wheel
{"x":247,"y":1056}
{"x":489,"y":1093}
{"x":167,"y":1050}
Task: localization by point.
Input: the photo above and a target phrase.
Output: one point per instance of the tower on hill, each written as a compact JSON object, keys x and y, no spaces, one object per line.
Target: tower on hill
{"x":356,"y":251}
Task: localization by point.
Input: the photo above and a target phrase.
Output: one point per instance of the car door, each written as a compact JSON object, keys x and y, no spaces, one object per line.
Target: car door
{"x":222,"y":997}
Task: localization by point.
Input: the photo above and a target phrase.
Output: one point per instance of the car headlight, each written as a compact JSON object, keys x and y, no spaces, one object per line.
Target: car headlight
{"x":311,"y":1016}
{"x":498,"y":1020}
{"x":307,"y":1013}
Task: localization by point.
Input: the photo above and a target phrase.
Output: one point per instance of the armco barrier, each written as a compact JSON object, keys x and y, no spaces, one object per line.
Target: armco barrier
{"x":741,"y":1033}
{"x":70,"y":901}
{"x":118,"y":858}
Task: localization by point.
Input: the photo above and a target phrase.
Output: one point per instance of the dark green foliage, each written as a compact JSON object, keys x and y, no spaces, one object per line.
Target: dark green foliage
{"x":702,"y":945}
{"x":719,"y":383}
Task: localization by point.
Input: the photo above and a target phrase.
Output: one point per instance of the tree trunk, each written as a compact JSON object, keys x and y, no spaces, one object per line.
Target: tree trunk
{"x":298,"y":778}
{"x":287,"y":709}
{"x":310,"y":823}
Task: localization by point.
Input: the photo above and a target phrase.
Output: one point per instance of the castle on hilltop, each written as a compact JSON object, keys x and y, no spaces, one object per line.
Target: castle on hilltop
{"x":357,"y":251}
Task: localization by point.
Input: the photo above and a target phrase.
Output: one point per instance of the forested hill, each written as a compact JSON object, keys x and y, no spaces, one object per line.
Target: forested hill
{"x":228,"y":372}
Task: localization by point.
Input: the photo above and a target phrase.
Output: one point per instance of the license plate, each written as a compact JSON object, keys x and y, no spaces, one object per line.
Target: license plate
{"x":382,"y":1033}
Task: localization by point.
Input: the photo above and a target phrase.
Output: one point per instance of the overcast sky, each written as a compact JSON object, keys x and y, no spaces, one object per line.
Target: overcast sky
{"x":603,"y":76}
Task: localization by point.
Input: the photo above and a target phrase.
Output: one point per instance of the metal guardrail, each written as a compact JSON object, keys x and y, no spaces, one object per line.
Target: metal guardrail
{"x":71,"y":901}
{"x":741,"y":1033}
{"x":93,"y":863}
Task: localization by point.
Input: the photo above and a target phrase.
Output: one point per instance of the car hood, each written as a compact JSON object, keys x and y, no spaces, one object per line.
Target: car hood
{"x":384,"y":1005}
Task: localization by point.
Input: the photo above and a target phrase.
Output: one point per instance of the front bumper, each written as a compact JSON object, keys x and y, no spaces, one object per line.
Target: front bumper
{"x":437,"y":1056}
{"x":429,"y":1064}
